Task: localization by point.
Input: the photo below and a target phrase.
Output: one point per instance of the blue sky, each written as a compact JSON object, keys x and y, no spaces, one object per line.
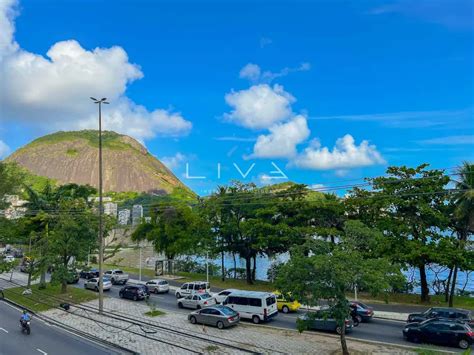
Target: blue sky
{"x":224,"y":82}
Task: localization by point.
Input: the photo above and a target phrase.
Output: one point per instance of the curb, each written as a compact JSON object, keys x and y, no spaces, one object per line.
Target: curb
{"x":350,"y":339}
{"x":72,"y":330}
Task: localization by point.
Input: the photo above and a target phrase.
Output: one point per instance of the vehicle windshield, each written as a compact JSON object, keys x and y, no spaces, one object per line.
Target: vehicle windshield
{"x":118,"y":271}
{"x":227,"y":311}
{"x":362,"y":305}
{"x":428,"y":311}
{"x":205,"y":296}
{"x":271,"y":300}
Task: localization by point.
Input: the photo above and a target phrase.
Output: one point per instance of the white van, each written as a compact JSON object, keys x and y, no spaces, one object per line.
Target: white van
{"x":257,"y":306}
{"x":190,"y":288}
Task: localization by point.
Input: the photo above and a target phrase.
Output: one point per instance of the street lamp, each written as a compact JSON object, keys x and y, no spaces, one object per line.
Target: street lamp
{"x":101,"y":227}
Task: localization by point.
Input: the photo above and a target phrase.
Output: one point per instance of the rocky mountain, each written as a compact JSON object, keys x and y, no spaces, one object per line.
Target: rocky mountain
{"x":73,"y":157}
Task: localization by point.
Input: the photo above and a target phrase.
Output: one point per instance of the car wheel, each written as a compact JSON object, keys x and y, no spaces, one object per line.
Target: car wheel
{"x":339,"y":330}
{"x":135,"y":298}
{"x":85,"y":286}
{"x":193,"y":320}
{"x":220,"y":325}
{"x":178,"y":295}
{"x":463,"y":344}
{"x":28,"y":331}
{"x":113,"y":281}
{"x":285,"y":309}
{"x":97,"y":289}
{"x":256,"y":319}
{"x":156,"y":291}
{"x":415,"y":340}
{"x":180,"y":305}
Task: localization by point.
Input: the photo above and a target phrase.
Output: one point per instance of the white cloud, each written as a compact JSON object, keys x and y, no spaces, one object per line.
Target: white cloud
{"x":250,"y":71}
{"x":255,"y":74}
{"x":282,"y":140}
{"x":53,"y":92}
{"x":345,"y":155}
{"x":4,"y":150}
{"x":174,"y":161}
{"x":317,"y":187}
{"x":265,"y":41}
{"x":260,"y":106}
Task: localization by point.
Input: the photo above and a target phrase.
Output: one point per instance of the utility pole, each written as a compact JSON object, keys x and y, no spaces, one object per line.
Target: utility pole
{"x":101,"y":210}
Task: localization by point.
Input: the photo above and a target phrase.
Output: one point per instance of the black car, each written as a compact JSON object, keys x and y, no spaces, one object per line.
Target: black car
{"x":135,"y":292}
{"x":363,"y":311}
{"x":89,"y":274}
{"x":442,"y":313}
{"x":440,"y":332}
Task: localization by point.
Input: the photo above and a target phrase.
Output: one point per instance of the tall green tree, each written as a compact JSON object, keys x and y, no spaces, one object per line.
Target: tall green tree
{"x":409,"y":207}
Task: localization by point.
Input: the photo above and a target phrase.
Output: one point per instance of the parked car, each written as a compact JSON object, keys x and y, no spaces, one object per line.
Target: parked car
{"x":93,"y":284}
{"x":158,"y":286}
{"x":286,"y":304}
{"x":89,"y":274}
{"x":196,"y":301}
{"x":442,"y":313}
{"x":440,"y":332}
{"x":324,"y":320}
{"x":221,"y":296}
{"x":219,"y":316}
{"x":9,"y":258}
{"x":257,"y":306}
{"x":134,"y":292}
{"x":365,"y":312}
{"x":117,"y":276}
{"x":190,"y":288}
{"x":74,"y":277}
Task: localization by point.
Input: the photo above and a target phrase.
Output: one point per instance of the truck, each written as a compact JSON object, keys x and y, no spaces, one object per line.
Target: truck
{"x":116,"y":276}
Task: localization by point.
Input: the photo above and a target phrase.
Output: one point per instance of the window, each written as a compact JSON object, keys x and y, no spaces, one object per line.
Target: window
{"x":227,"y":311}
{"x":150,"y":283}
{"x":184,"y":287}
{"x":215,"y":312}
{"x":189,"y":297}
{"x":242,"y":301}
{"x":456,"y":327}
{"x":195,"y":298}
{"x":205,"y":311}
{"x":462,"y":316}
{"x":118,"y":272}
{"x":224,"y":293}
{"x":163,"y":283}
{"x":205,"y":296}
{"x":271,"y":300}
{"x":255,"y":302}
{"x":107,"y":272}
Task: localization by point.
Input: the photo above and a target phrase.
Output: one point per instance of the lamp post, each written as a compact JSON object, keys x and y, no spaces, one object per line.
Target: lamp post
{"x":101,"y":226}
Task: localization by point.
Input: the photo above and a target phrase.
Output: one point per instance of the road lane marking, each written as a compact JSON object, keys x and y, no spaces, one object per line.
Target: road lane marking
{"x":6,"y":331}
{"x":42,"y":352}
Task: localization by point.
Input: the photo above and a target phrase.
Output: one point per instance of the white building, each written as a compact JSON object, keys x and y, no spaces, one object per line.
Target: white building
{"x":137,"y":214}
{"x":15,"y":209}
{"x":110,"y":209}
{"x":147,"y":219}
{"x":124,"y":217}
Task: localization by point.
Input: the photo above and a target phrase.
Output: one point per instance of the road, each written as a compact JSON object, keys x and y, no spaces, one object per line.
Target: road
{"x":44,"y":339}
{"x":386,"y":331}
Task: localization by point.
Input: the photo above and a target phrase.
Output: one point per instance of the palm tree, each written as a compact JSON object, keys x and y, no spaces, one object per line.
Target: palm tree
{"x":463,"y":215}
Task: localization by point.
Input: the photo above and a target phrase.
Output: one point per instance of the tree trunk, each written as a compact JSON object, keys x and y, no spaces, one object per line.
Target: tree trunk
{"x":254,"y":270}
{"x":453,"y":286}
{"x":345,"y":351}
{"x":425,"y":291}
{"x":42,"y":283}
{"x":248,"y":269}
{"x":30,"y":270}
{"x":222,"y":265}
{"x":448,"y":283}
{"x":63,"y":286}
{"x":235,"y":266}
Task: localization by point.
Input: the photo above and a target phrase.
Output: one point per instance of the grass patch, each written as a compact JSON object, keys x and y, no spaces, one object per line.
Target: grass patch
{"x":211,"y":348}
{"x":154,"y":313}
{"x":50,"y":297}
{"x":72,"y":152}
{"x":412,"y":299}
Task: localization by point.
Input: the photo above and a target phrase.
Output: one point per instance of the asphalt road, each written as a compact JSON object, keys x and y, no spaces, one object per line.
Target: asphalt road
{"x":44,"y":338}
{"x":386,"y":331}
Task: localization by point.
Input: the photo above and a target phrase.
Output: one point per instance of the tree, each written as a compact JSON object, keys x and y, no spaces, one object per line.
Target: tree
{"x":74,"y":234}
{"x":409,"y":207}
{"x":173,"y":230}
{"x":462,"y":222}
{"x":326,"y":274}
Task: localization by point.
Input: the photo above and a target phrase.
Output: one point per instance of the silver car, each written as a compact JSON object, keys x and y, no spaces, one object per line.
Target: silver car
{"x":219,"y":316}
{"x":93,"y":284}
{"x":158,"y":286}
{"x":196,"y":301}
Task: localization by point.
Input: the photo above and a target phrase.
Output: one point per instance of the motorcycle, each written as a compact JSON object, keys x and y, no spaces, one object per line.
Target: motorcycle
{"x":356,"y":319}
{"x":25,"y":326}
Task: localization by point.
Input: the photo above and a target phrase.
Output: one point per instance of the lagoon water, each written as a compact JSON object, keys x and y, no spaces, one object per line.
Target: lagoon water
{"x":264,"y":262}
